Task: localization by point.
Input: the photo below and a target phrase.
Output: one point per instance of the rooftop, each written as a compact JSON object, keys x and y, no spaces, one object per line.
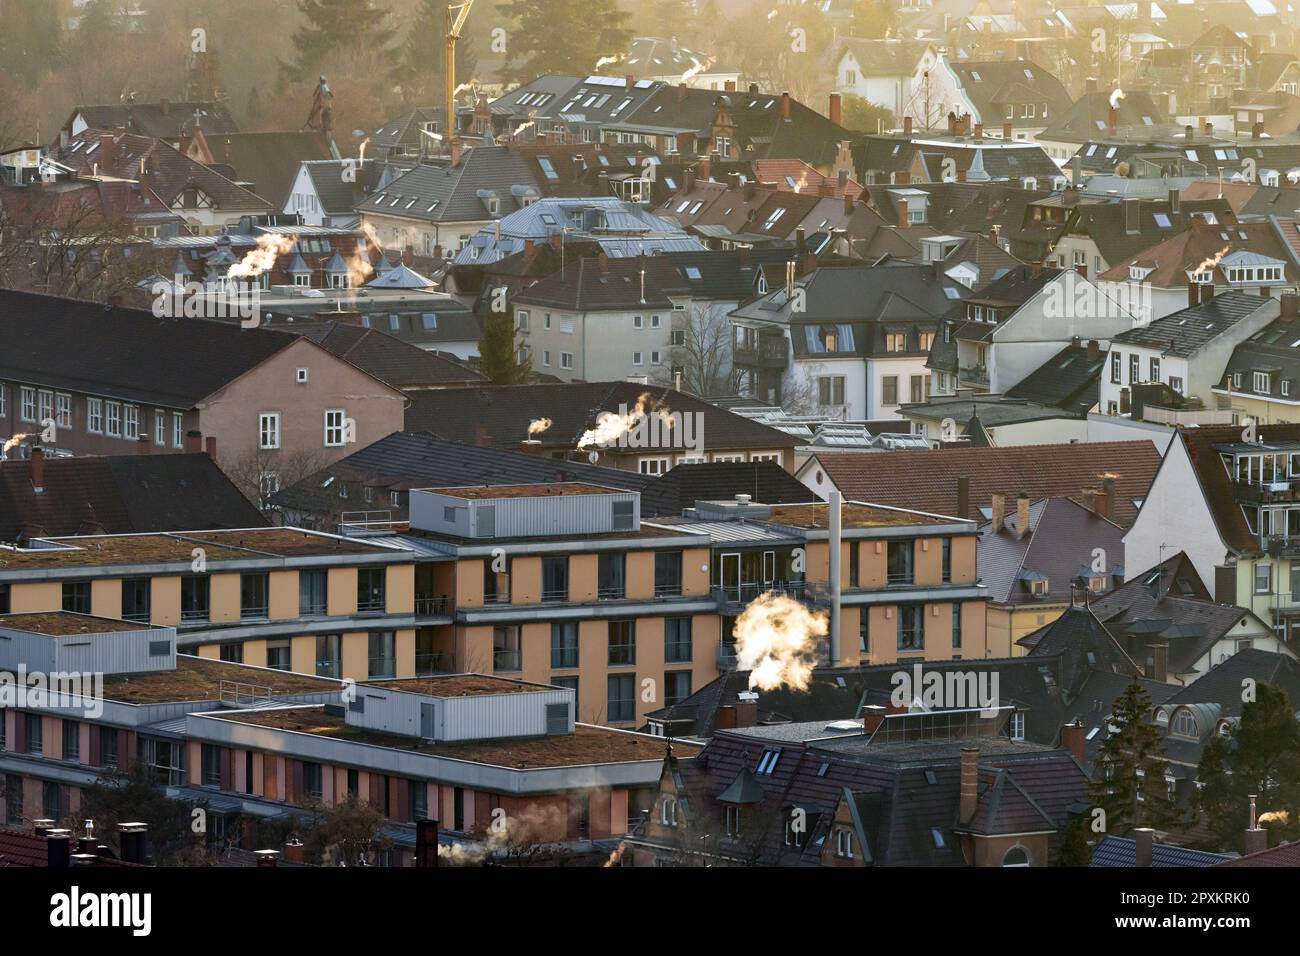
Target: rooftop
{"x":62,"y":623}
{"x":197,"y":678}
{"x":459,"y":685}
{"x":553,"y":490}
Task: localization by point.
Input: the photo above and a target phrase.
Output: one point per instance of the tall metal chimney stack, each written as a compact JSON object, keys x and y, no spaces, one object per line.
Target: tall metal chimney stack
{"x":836,"y":536}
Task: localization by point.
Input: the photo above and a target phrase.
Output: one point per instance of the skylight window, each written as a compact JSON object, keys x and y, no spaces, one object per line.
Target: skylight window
{"x":547,"y":167}
{"x":693,"y":272}
{"x":1162,"y":220}
{"x":768,"y":762}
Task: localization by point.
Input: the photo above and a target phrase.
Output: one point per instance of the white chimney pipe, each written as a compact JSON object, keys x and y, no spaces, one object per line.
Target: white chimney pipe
{"x":836,"y":536}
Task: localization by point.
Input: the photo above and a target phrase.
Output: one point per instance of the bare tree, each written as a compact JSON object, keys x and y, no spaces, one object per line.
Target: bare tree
{"x":799,"y":390}
{"x":261,"y":472}
{"x":704,"y":356}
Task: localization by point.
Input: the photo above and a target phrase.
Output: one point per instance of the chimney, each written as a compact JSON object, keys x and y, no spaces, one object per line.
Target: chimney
{"x":746,"y":713}
{"x":1090,"y":84}
{"x":1006,"y":131}
{"x":835,"y":114}
{"x":963,"y":496}
{"x":1290,"y":303}
{"x":681,"y":92}
{"x":902,"y":178}
{"x":408,"y":256}
{"x":1094,"y":350}
{"x":294,"y":851}
{"x":193,"y":442}
{"x":132,"y":842}
{"x":753,"y":89}
{"x":952,"y":124}
{"x":38,"y":470}
{"x":532,"y":446}
{"x":528,"y":247}
{"x":481,"y":437}
{"x":800,"y":240}
{"x":686,"y":144}
{"x":1175,"y":204}
{"x":87,"y":844}
{"x":1189,"y":132}
{"x":1112,"y":122}
{"x":979,"y":130}
{"x":1145,"y":838}
{"x":902,"y":214}
{"x":164,"y":105}
{"x":1207,"y":291}
{"x":1108,"y":489}
{"x":1022,"y":515}
{"x":1193,"y":293}
{"x":142,"y":446}
{"x":1208,"y":128}
{"x":849,"y":203}
{"x":603,"y":260}
{"x":106,"y":146}
{"x":1256,"y":836}
{"x":1132,"y":216}
{"x":999,"y":515}
{"x":426,"y":843}
{"x":729,"y":86}
{"x":58,"y":850}
{"x":1257,"y":131}
{"x":907,"y":126}
{"x":210,"y":446}
{"x":727,"y":717}
{"x":267,"y":858}
{"x":873,"y":715}
{"x":1072,"y":739}
{"x":455,"y":161}
{"x":629,"y":81}
{"x":970,"y":772}
{"x":785,"y":105}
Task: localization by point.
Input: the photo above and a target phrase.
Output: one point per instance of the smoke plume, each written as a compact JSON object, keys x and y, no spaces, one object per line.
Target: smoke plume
{"x":776,"y":641}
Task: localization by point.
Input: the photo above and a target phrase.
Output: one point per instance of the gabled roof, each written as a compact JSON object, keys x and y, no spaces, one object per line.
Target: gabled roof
{"x":1171,"y":260}
{"x":506,"y":410}
{"x":926,"y":480}
{"x":386,"y":357}
{"x":444,"y":193}
{"x":121,"y":494}
{"x":1106,"y":223}
{"x":643,"y":282}
{"x":1186,"y":332}
{"x":1084,"y":645}
{"x":106,"y":350}
{"x":1089,"y":116}
{"x":165,"y":120}
{"x":1069,"y":380}
{"x":1122,"y":851}
{"x":269,"y":160}
{"x":1288,"y":854}
{"x":991,"y":85}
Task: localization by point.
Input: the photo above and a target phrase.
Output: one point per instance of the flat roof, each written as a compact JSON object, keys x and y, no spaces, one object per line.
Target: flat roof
{"x":199,"y":678}
{"x":459,"y":685}
{"x":62,"y":623}
{"x":852,"y":515}
{"x":586,"y":745}
{"x":171,"y":547}
{"x":555,"y":489}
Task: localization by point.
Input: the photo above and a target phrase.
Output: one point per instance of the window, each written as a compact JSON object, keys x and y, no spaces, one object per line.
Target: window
{"x":195,"y":594}
{"x":35,"y":734}
{"x":622,"y":704}
{"x":277,"y":655}
{"x":159,"y":427}
{"x":677,"y":640}
{"x":232,"y":653}
{"x":911,"y":627}
{"x":889,"y":390}
{"x":268,"y":430}
{"x":844,"y":843}
{"x":919,"y":388}
{"x":1260,"y":382}
{"x":135,"y":600}
{"x":521,"y":321}
{"x":313,"y":589}
{"x":76,"y":597}
{"x":505,"y":648}
{"x":899,"y":562}
{"x":1017,"y":726}
{"x":71,"y":741}
{"x":383,"y":658}
{"x":767,"y":763}
{"x":94,"y":415}
{"x":14,"y":798}
{"x":668,"y":812}
{"x":64,"y":412}
{"x":668,"y":573}
{"x":211,"y":756}
{"x":654,"y":466}
{"x":178,"y":430}
{"x":830,"y":390}
{"x":564,"y":644}
{"x":28,"y":412}
{"x":1263,"y":578}
{"x":107,"y":746}
{"x":1176,"y":383}
{"x":113,"y":419}
{"x":677,"y":687}
{"x":370,"y":589}
{"x":555,"y":578}
{"x":1134,"y":368}
{"x":253,"y":590}
{"x":622,"y":643}
{"x":611,"y":576}
{"x":1185,"y":724}
{"x":54,"y":802}
{"x":566,"y":360}
{"x":334,"y":430}
{"x":131,"y":423}
{"x":1116,"y":368}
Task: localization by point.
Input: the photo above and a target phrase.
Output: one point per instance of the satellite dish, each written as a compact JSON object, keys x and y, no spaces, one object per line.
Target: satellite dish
{"x":593,"y":456}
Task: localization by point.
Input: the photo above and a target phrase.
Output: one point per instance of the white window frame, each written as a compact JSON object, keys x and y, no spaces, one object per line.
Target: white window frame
{"x":113,"y":419}
{"x":268,"y":430}
{"x":95,"y":416}
{"x":131,"y":422}
{"x":339,"y":428}
{"x":159,"y":427}
{"x":62,"y":410}
{"x":178,"y":430}
{"x":27,"y":408}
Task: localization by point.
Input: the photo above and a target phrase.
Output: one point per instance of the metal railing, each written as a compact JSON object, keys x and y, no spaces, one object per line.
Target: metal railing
{"x":382,"y":668}
{"x":672,"y":589}
{"x":564,"y":657}
{"x":328,"y":668}
{"x":726,"y":657}
{"x":254,"y":613}
{"x":432,"y":606}
{"x":428,"y":663}
{"x":554,"y":595}
{"x":744,"y":593}
{"x":242,"y":694}
{"x":506,"y":660}
{"x":608,"y":592}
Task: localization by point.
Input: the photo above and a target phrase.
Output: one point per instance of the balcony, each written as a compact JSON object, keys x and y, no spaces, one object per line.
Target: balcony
{"x":1268,"y":492}
{"x":508,"y":660}
{"x":773,"y":355}
{"x":733,"y":595}
{"x":429,"y":663}
{"x":554,"y":595}
{"x":973,"y":375}
{"x":673,"y":589}
{"x":500,"y":597}
{"x":606,"y":592}
{"x":1281,"y":545}
{"x":726,"y":657}
{"x":432,"y":606}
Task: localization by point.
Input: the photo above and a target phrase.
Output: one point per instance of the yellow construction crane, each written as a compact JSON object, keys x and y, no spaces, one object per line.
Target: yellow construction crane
{"x":457,"y":13}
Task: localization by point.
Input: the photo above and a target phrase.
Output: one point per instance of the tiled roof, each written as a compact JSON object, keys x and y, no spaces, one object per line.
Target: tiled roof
{"x":457,"y":193}
{"x":269,"y":160}
{"x":927,"y":480}
{"x":1288,"y":854}
{"x":1172,"y":259}
{"x":1068,"y":380}
{"x":165,"y":121}
{"x":1084,"y":645}
{"x":388,"y":358}
{"x":1122,"y":851}
{"x":120,"y":495}
{"x":85,"y":346}
{"x":1186,"y":332}
{"x":1106,"y":223}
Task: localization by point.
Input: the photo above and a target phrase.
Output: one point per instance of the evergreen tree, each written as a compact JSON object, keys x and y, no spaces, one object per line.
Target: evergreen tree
{"x":1075,"y":849}
{"x":1131,"y":784}
{"x":419,"y":70}
{"x":30,"y":39}
{"x":562,"y":36}
{"x":353,"y":28}
{"x":1261,"y":756}
{"x":499,"y":352}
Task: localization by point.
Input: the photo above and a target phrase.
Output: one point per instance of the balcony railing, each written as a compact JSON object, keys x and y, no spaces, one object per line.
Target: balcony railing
{"x":505,"y":660}
{"x":312,"y":609}
{"x":554,"y":595}
{"x":744,"y":593}
{"x":726,"y":657}
{"x":253,"y":613}
{"x":607,"y":592}
{"x":1281,"y":545}
{"x":564,"y":657}
{"x":671,"y":589}
{"x":432,"y":606}
{"x":382,"y":667}
{"x":371,"y":604}
{"x":500,"y":597}
{"x":428,"y":663}
{"x":328,"y":668}
{"x":973,"y":375}
{"x":763,"y":355}
{"x":1268,"y":492}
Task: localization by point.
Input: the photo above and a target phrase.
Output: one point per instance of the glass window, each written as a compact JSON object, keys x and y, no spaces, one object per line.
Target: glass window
{"x":383,"y":659}
{"x":900,"y":562}
{"x":622,"y":643}
{"x":505,"y":649}
{"x":71,"y":740}
{"x":677,"y":687}
{"x":76,"y":596}
{"x":911,"y":627}
{"x":622,"y":703}
{"x":277,"y":655}
{"x":370,"y":589}
{"x":195,"y":592}
{"x":555,"y":578}
{"x":612,"y":576}
{"x":328,"y":661}
{"x":313,"y":590}
{"x":253,"y":590}
{"x":135,"y":599}
{"x":677,"y":640}
{"x":564,"y":644}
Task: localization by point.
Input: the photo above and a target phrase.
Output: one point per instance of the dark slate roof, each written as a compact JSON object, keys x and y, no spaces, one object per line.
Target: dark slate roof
{"x":1275,"y":349}
{"x":1084,"y":645}
{"x":406,"y":460}
{"x":387,"y":357}
{"x":968,"y":207}
{"x":153,"y":119}
{"x":125,"y":353}
{"x":506,"y":410}
{"x":453,"y":191}
{"x":405,"y":130}
{"x":642,"y":282}
{"x":121,"y":494}
{"x":1068,"y":380}
{"x":1092,"y":704}
{"x":337,"y":196}
{"x":1287,"y":854}
{"x":1122,"y":851}
{"x":1106,"y":223}
{"x":269,"y":160}
{"x":1058,"y":547}
{"x":1187,"y":331}
{"x":1087,"y":118}
{"x":764,"y":481}
{"x":1003,"y":82}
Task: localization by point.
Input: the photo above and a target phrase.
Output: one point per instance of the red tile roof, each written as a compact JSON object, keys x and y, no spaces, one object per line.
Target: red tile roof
{"x":1288,"y":854}
{"x":927,"y":480}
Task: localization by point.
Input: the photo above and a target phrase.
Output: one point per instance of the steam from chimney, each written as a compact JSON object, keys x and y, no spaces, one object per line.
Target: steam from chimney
{"x":1115,"y":96}
{"x":1275,"y":816}
{"x":605,"y":61}
{"x":361,"y":151}
{"x":516,"y":830}
{"x":696,"y":67}
{"x":15,"y":440}
{"x":1213,"y":261}
{"x":259,"y":260}
{"x":538,"y":425}
{"x":776,"y":641}
{"x":610,"y":426}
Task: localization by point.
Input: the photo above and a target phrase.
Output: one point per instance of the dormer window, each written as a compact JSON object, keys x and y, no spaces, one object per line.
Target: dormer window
{"x":1185,"y":725}
{"x":668,"y":812}
{"x":844,"y":843}
{"x":1138,"y":273}
{"x":1038,"y":587}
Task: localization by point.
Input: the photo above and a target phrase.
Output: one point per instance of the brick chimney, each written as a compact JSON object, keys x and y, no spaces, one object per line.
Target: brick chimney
{"x":970,"y":771}
{"x":603,"y":260}
{"x":106,"y":150}
{"x":999,"y":512}
{"x":628,"y":82}
{"x":849,"y":203}
{"x":1022,"y":515}
{"x":785,"y":105}
{"x":269,"y":859}
{"x":1145,"y":838}
{"x":902,"y":178}
{"x":902,"y":214}
{"x":38,"y":471}
{"x":58,"y":849}
{"x":834,"y":109}
{"x":1290,"y":303}
{"x":952,"y":124}
{"x":907,"y":126}
{"x":1072,"y":739}
{"x":1006,"y":131}
{"x":873,"y":715}
{"x":979,"y":130}
{"x":1112,"y":122}
{"x":455,"y":161}
{"x":746,"y":713}
{"x":294,"y":851}
{"x":1193,"y":293}
{"x":1094,"y":350}
{"x":729,"y":86}
{"x":681,"y":92}
{"x":1257,"y":131}
{"x":426,"y":843}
